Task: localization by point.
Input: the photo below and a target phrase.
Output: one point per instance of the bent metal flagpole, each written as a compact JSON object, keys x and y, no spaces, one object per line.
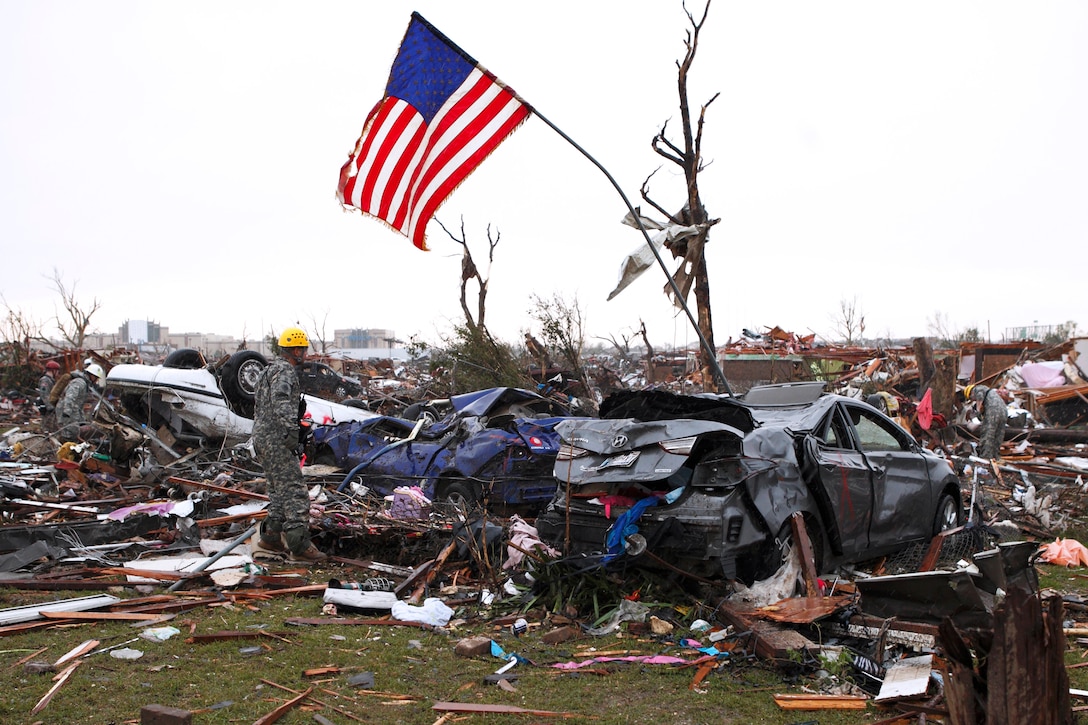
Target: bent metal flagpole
{"x":712,"y":353}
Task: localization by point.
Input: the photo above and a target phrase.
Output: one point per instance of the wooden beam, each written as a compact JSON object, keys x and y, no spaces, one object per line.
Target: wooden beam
{"x":804,"y":548}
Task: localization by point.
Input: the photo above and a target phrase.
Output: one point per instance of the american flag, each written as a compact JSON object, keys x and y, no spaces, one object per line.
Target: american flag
{"x":442,"y":114}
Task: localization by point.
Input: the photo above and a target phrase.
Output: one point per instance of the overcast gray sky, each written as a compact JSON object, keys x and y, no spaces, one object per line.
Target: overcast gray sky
{"x":178,"y":161}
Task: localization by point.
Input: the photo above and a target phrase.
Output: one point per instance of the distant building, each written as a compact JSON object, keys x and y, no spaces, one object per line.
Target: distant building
{"x":359,"y":338}
{"x":137,"y":332}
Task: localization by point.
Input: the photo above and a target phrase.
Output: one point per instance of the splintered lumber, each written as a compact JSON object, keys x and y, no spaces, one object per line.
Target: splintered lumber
{"x":60,"y":679}
{"x":803,"y":610}
{"x":820,"y":702}
{"x":221,"y":489}
{"x":29,"y":657}
{"x":771,"y":641}
{"x":503,"y":709}
{"x":232,"y":635}
{"x":808,"y":559}
{"x":283,"y":709}
{"x":313,"y":699}
{"x":78,"y":651}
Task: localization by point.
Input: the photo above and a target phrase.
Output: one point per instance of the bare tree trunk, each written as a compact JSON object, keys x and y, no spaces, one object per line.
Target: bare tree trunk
{"x":649,"y":352}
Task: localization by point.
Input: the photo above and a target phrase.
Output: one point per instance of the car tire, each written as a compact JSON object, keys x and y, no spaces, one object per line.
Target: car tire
{"x":422,"y":411}
{"x":460,"y":495}
{"x":186,"y":358}
{"x":239,"y":375}
{"x":325,"y":457}
{"x":949,"y":514}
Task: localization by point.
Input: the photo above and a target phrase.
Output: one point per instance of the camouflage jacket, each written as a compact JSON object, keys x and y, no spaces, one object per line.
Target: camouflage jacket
{"x":45,"y":386}
{"x":70,"y":406}
{"x":276,"y":404}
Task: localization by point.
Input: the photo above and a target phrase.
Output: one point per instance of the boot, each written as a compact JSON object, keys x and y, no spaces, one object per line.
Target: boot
{"x":310,"y":555}
{"x":271,"y":541}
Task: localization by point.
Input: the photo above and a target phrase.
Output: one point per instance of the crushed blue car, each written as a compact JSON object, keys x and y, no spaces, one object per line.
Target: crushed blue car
{"x":495,"y":446}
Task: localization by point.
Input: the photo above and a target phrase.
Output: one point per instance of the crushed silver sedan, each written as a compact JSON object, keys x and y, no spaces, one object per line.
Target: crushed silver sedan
{"x":708,"y":483}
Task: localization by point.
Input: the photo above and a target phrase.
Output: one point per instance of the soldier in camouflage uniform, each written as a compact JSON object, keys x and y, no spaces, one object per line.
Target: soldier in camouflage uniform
{"x":46,"y":383}
{"x":995,"y":414}
{"x":70,"y":406}
{"x":275,"y":439}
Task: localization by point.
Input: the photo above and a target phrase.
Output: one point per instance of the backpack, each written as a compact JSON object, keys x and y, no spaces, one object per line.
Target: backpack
{"x":58,"y":388}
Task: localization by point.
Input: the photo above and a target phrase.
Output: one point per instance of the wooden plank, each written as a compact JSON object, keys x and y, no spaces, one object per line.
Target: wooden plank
{"x":804,"y":548}
{"x":820,"y":702}
{"x":771,"y":641}
{"x":97,"y":616}
{"x":78,"y":651}
{"x":933,"y":553}
{"x":503,"y":709}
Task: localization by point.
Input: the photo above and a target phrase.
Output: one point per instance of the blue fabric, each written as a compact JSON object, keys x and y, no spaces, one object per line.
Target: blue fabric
{"x":626,"y":525}
{"x":427,"y":71}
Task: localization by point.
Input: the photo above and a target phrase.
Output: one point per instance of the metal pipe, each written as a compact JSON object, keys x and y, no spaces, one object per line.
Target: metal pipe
{"x":219,"y":555}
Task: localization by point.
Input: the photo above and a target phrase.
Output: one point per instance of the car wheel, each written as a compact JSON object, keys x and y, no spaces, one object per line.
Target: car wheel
{"x":186,"y":358}
{"x":460,"y":496}
{"x":341,"y":392}
{"x":422,"y":411}
{"x":325,"y":457}
{"x":949,"y":515}
{"x":239,"y":376}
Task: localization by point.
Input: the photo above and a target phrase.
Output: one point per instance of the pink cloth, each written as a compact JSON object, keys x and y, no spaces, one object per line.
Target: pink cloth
{"x":644,"y":659}
{"x":925,"y":410}
{"x":1043,"y":374}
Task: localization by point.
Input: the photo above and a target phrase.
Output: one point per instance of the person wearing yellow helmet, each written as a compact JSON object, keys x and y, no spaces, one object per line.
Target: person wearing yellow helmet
{"x":276,"y":427}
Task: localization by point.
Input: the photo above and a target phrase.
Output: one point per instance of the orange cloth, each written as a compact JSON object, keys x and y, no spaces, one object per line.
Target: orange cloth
{"x":1065,"y":552}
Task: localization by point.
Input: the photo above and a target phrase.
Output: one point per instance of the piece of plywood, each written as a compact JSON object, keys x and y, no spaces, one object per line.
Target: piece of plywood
{"x":908,"y":677}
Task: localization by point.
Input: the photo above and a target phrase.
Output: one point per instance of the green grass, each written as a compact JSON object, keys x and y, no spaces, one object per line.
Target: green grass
{"x":203,"y":677}
{"x":199,"y":677}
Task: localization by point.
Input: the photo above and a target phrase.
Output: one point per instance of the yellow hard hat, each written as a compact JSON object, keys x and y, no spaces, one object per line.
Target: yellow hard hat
{"x":967,"y":392}
{"x":294,"y":337}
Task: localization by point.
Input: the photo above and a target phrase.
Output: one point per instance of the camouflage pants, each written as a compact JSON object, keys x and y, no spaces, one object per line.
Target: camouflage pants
{"x":288,"y":502}
{"x":992,"y":433}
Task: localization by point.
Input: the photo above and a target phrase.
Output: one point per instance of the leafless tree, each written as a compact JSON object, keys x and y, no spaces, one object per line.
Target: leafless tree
{"x":944,"y":334}
{"x":76,"y":321}
{"x":319,"y":332}
{"x":850,"y":322}
{"x":692,"y":271}
{"x":622,"y":345}
{"x":17,"y":330}
{"x":469,"y":271}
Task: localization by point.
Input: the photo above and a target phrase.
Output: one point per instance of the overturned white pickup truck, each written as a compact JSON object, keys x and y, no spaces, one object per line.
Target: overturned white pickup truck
{"x":206,"y":402}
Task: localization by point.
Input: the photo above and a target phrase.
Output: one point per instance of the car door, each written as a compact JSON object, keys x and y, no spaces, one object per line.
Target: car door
{"x":846,"y":478}
{"x":902,"y":509}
